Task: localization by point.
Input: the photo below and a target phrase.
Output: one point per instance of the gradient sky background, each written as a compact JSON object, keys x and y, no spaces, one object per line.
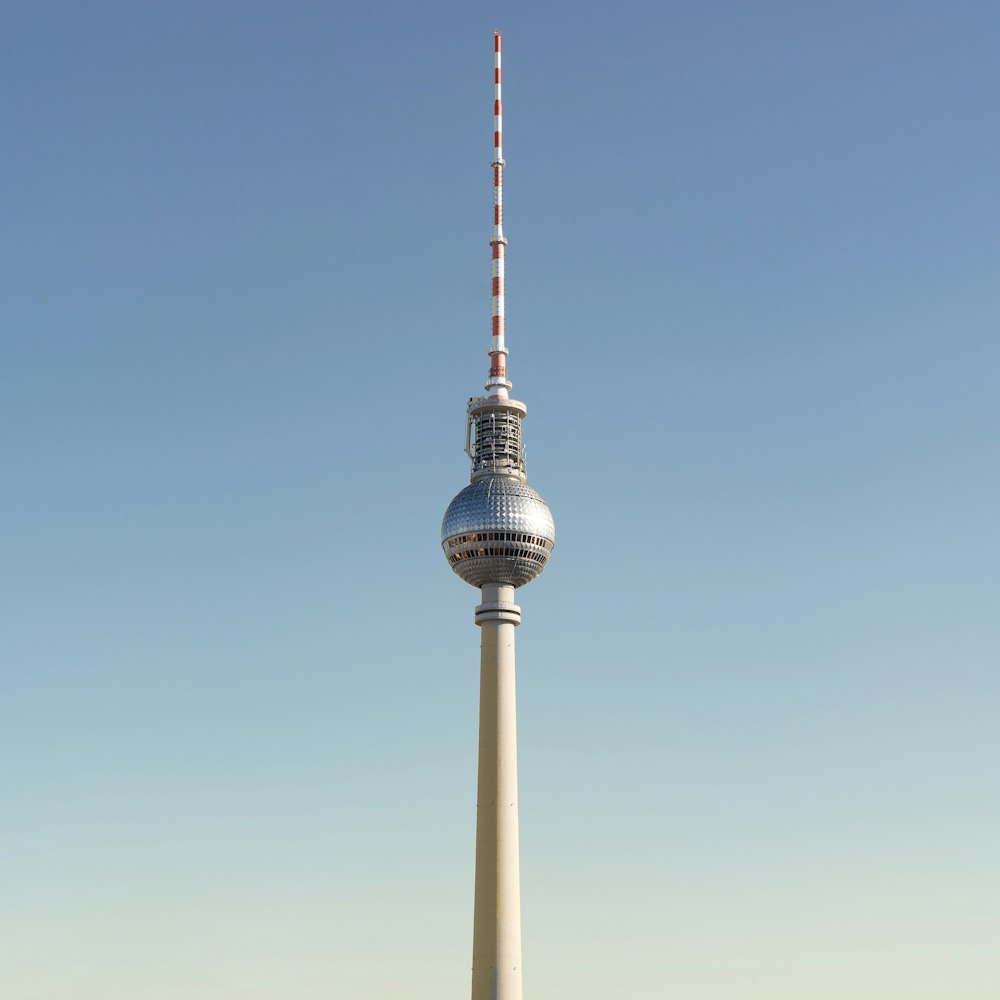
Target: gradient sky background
{"x":753,"y":304}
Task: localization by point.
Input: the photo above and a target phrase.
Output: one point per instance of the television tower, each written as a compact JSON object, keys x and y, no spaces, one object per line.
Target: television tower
{"x":497,"y":535}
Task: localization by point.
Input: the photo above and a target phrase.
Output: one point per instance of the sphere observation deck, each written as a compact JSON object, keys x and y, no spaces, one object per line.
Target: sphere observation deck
{"x":498,"y":530}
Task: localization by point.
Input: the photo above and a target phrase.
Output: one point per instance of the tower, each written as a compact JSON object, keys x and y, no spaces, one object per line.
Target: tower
{"x":497,"y":535}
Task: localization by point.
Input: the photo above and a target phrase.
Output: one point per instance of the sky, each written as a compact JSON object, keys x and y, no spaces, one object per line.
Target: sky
{"x":752,"y":306}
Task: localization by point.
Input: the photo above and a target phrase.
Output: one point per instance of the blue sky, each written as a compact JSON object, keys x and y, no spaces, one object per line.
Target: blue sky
{"x":752,"y":305}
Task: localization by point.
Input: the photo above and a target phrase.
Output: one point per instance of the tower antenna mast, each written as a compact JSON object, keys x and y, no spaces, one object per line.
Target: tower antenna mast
{"x":497,"y":385}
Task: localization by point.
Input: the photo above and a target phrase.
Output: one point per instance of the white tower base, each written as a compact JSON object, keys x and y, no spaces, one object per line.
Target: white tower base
{"x":496,"y":944}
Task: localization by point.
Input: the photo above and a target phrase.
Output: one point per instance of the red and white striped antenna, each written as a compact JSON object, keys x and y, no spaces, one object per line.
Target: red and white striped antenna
{"x":497,"y":385}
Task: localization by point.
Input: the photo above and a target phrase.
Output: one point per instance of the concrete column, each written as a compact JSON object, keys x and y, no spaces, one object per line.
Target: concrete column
{"x":496,"y":943}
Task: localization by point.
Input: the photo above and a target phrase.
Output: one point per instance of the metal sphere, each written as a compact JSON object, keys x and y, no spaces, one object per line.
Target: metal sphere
{"x":498,"y":530}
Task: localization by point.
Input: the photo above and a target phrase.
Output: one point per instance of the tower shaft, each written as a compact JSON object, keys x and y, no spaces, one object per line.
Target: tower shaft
{"x":496,"y":948}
